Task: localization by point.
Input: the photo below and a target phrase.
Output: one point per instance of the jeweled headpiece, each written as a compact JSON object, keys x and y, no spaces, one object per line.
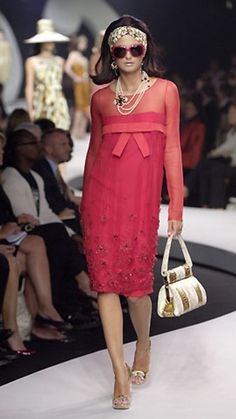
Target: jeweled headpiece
{"x":137,"y":34}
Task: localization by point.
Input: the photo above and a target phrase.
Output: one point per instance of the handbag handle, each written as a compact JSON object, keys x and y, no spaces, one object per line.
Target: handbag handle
{"x":165,"y":260}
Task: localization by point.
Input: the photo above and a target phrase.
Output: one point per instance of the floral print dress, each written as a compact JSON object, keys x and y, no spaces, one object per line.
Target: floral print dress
{"x":48,"y":100}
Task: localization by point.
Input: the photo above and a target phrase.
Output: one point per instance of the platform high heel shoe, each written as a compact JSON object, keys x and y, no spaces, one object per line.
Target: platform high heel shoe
{"x":122,"y":401}
{"x":139,"y":376}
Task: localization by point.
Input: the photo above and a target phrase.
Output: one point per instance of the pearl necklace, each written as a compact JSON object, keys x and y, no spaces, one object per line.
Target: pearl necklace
{"x":126,"y":105}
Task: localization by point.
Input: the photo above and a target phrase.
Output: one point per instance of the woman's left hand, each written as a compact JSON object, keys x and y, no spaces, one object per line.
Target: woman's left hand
{"x":174,"y":228}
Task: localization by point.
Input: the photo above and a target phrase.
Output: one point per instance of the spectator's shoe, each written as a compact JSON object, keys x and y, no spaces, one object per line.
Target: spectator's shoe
{"x":25,"y":352}
{"x":13,"y":354}
{"x":47,"y":321}
{"x":82,"y":322}
{"x":87,"y":303}
{"x":64,"y":339}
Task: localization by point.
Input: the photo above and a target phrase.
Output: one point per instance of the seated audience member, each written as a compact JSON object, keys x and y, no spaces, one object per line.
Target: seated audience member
{"x":57,"y":149}
{"x":192,"y":135}
{"x":25,"y":189}
{"x":219,"y":168}
{"x":213,"y":173}
{"x":15,"y":118}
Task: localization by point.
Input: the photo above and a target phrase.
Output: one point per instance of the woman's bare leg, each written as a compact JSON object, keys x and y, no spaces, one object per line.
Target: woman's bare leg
{"x":30,"y":298}
{"x":43,"y":332}
{"x":32,"y":305}
{"x":37,"y":268}
{"x":112,"y":321}
{"x":9,"y":308}
{"x":37,"y":286}
{"x":140,"y":310}
{"x":83,"y":282}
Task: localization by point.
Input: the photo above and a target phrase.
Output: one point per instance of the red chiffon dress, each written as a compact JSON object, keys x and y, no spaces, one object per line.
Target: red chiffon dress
{"x":122,"y":187}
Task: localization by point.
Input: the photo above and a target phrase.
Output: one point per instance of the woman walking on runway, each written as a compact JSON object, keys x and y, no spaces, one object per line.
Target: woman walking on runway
{"x":43,"y":75}
{"x":135,"y":135}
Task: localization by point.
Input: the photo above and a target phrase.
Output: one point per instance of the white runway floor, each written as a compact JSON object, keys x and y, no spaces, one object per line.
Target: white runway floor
{"x":192,"y":377}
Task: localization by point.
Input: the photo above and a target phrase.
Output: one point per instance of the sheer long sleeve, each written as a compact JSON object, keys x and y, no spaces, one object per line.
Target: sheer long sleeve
{"x":172,"y":158}
{"x":96,"y":134}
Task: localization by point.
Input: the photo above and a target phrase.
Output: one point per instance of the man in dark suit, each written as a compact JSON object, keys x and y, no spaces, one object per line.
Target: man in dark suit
{"x":57,"y":149}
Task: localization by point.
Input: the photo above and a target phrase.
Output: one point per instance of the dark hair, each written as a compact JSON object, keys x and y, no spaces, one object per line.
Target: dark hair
{"x":45,"y":124}
{"x":47,"y":134}
{"x":104,"y":73}
{"x":13,"y":140}
{"x":75,"y":40}
{"x":196,"y":100}
{"x":15,"y":118}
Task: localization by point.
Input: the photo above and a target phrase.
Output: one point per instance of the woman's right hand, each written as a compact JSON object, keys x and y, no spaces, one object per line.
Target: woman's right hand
{"x":8,"y":229}
{"x":27,"y":219}
{"x":7,"y":249}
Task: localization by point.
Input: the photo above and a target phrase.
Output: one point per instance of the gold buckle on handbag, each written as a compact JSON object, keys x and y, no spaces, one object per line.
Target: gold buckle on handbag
{"x":172,"y":276}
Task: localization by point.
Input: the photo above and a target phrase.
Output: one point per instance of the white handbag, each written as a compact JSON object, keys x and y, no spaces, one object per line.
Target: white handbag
{"x":181,"y":292}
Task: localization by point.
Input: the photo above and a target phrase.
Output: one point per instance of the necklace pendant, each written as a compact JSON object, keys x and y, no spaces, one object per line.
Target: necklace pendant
{"x":120,"y":100}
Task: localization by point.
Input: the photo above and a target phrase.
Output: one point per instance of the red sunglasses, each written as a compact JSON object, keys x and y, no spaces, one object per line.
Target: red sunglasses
{"x":135,"y":51}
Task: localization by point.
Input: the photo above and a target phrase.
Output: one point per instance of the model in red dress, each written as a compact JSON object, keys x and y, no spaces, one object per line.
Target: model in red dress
{"x":123,"y":190}
{"x":135,"y":136}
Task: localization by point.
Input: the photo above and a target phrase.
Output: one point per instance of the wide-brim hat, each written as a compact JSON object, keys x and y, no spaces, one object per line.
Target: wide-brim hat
{"x":46,"y":33}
